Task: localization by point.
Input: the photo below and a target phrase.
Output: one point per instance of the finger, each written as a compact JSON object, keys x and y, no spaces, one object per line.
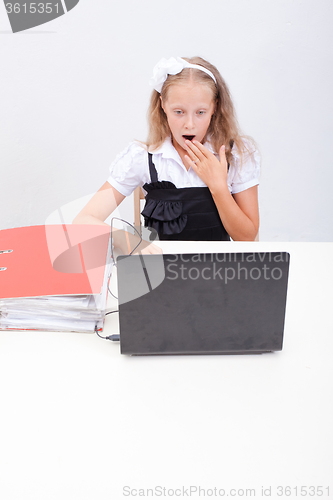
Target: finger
{"x":154,"y":249}
{"x":203,"y":150}
{"x":151,"y":250}
{"x":191,"y":163}
{"x":191,"y":155}
{"x":195,"y":150}
{"x":223,"y":156}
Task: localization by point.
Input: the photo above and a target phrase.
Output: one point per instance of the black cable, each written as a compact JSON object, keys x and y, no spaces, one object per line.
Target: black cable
{"x":133,"y":227}
{"x":114,"y":337}
{"x":114,"y":262}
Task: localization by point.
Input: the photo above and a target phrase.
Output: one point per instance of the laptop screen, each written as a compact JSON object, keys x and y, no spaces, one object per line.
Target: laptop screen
{"x":202,"y":303}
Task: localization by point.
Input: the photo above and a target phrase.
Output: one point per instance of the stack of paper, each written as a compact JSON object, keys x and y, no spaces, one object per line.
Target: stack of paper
{"x":54,"y":277}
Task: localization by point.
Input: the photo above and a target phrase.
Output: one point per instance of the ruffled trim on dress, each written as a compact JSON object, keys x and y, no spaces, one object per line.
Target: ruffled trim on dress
{"x":158,"y":185}
{"x":164,"y":216}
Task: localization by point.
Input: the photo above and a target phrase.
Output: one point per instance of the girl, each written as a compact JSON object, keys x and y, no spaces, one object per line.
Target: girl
{"x":199,"y":175}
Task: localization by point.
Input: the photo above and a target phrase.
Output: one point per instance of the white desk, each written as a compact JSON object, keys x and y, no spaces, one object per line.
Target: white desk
{"x":79,"y":421}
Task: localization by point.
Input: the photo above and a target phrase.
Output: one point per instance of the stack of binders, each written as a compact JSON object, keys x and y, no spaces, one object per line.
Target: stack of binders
{"x":54,"y":277}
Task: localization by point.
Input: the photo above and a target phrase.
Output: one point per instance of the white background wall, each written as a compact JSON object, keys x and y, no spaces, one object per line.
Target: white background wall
{"x":75,"y":91}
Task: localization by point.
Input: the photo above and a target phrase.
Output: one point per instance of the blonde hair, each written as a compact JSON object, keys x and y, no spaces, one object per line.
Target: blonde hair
{"x":223,"y":128}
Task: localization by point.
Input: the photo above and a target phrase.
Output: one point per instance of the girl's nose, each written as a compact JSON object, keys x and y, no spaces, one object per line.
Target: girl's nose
{"x":189,"y":122}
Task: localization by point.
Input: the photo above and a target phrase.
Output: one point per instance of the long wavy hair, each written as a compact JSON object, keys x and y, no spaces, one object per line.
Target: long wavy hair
{"x":223,"y":128}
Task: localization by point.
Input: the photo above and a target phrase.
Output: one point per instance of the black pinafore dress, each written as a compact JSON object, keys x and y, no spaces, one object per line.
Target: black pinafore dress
{"x":181,"y":213}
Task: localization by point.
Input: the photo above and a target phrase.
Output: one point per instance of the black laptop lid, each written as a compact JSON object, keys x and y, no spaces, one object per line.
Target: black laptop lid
{"x":202,"y":303}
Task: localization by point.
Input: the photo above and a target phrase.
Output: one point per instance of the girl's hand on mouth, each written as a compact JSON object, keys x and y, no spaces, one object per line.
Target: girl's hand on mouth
{"x":212,"y":172}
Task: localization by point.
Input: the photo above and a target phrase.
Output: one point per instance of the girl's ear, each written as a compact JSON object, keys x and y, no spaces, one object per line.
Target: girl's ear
{"x":162,"y":103}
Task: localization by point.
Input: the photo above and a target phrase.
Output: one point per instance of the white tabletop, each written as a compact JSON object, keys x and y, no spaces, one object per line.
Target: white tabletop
{"x":80,"y":421}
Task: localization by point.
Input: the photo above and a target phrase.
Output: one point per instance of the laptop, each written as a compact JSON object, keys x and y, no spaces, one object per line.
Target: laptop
{"x":206,"y":303}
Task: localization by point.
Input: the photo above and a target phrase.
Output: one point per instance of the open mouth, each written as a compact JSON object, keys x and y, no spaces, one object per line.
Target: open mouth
{"x":189,"y":137}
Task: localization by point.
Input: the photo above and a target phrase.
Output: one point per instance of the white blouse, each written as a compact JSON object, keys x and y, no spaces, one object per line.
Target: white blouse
{"x":130,"y":168}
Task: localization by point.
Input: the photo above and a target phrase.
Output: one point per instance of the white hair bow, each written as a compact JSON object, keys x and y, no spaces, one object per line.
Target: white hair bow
{"x":172,"y":66}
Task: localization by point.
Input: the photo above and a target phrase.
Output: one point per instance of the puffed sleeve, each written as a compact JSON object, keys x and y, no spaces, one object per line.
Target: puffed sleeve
{"x":129,"y":169}
{"x":244,"y":172}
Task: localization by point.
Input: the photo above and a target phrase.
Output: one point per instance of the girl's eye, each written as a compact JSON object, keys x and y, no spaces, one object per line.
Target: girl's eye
{"x":201,"y":112}
{"x":178,"y":112}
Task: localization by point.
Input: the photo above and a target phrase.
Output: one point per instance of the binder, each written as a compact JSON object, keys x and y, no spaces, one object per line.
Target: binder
{"x":54,"y":277}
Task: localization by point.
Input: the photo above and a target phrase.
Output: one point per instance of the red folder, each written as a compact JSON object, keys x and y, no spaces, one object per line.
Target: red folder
{"x":53,"y":260}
